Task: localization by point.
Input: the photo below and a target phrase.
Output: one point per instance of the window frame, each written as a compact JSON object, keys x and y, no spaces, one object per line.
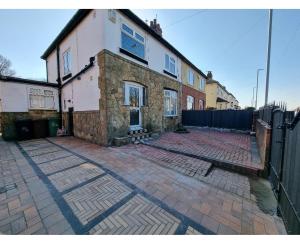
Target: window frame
{"x":133,"y":36}
{"x":202,"y":84}
{"x":172,"y":95}
{"x":168,"y":61}
{"x":69,"y":61}
{"x":187,"y":102}
{"x":42,"y":96}
{"x":191,"y":74}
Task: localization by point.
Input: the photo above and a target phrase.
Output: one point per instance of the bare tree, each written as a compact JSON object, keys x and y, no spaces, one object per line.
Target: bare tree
{"x":5,"y":67}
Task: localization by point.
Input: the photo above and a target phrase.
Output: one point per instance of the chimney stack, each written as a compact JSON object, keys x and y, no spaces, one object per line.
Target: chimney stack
{"x":209,"y":75}
{"x":156,"y":27}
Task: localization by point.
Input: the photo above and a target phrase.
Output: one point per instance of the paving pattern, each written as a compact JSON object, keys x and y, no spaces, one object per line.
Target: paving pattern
{"x":231,"y":148}
{"x":92,"y":199}
{"x":68,"y":186}
{"x":180,"y":163}
{"x":138,"y":216}
{"x":198,"y":169}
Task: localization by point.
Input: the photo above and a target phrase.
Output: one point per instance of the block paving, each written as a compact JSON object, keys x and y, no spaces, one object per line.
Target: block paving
{"x":89,"y":189}
{"x":232,"y":148}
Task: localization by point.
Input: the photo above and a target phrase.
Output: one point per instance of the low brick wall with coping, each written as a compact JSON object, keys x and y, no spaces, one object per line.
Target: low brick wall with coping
{"x":263,"y":140}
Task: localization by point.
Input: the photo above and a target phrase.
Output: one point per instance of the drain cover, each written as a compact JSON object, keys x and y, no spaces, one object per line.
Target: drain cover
{"x":6,"y":188}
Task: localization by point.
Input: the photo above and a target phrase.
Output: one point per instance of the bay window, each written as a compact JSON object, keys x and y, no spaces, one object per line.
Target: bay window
{"x":170,"y":103}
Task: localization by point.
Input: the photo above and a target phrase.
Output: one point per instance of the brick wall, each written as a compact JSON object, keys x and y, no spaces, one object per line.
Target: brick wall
{"x":263,"y":140}
{"x":198,"y":95}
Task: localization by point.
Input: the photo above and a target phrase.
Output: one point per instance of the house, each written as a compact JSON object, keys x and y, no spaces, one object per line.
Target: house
{"x":217,"y":96}
{"x":25,"y":99}
{"x":193,"y":88}
{"x":116,"y":75}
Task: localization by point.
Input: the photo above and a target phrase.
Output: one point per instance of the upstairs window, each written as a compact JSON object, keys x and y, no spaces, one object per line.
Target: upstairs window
{"x":170,"y":64}
{"x":67,"y":61}
{"x":190,"y":102}
{"x":202,"y":84}
{"x":41,"y":99}
{"x":132,"y":41}
{"x":170,"y":103}
{"x":191,"y":77}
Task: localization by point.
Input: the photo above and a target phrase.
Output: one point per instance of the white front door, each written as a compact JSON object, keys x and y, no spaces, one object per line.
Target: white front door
{"x":135,"y":99}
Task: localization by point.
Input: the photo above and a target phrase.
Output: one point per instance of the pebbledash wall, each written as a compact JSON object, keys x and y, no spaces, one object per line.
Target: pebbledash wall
{"x":14,"y":103}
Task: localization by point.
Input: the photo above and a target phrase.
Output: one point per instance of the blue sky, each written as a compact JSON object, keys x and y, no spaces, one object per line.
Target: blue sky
{"x":230,"y":43}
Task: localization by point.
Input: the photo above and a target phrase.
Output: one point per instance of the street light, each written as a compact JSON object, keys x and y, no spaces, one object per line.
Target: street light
{"x":252,"y":103}
{"x":257,"y":74}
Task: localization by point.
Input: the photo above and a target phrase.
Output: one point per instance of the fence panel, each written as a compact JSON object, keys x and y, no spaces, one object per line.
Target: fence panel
{"x":231,"y":119}
{"x":277,"y":145}
{"x":289,"y":194}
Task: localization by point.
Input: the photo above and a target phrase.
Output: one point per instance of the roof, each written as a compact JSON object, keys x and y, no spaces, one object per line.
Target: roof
{"x":71,"y":25}
{"x":26,"y":81}
{"x":82,"y":13}
{"x":212,"y":81}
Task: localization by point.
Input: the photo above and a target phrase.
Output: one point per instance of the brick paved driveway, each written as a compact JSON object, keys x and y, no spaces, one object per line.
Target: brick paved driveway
{"x":237,"y":150}
{"x":68,"y":186}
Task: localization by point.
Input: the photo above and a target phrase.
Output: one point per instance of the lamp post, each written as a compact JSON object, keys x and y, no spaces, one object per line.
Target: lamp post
{"x":269,"y":55}
{"x":257,"y":74}
{"x":252,"y":103}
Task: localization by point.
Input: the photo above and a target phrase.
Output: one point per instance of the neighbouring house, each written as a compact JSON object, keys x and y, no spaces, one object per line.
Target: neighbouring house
{"x":117,"y":74}
{"x":193,"y":88}
{"x":25,"y":99}
{"x":217,"y":96}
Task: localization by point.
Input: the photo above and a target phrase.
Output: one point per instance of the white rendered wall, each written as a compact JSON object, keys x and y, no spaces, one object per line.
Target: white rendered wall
{"x":14,"y":96}
{"x":154,"y":50}
{"x":52,"y":68}
{"x":86,"y":41}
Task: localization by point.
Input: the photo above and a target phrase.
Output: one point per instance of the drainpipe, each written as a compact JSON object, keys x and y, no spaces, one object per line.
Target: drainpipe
{"x":59,"y":86}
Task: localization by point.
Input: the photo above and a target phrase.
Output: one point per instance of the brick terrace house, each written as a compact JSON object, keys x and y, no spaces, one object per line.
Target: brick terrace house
{"x":193,"y":88}
{"x":115,"y":74}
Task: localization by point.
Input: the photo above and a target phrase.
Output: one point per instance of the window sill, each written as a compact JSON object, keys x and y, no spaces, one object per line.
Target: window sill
{"x":133,"y":56}
{"x":41,"y":109}
{"x":171,"y":116}
{"x":170,"y":74}
{"x":69,"y":75}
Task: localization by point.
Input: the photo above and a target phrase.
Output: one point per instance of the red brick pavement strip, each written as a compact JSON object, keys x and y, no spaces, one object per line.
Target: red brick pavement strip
{"x":221,"y":146}
{"x":214,"y":208}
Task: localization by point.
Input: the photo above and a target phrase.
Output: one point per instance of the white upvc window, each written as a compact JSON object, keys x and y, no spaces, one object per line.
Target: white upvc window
{"x":202,"y":84}
{"x":170,"y":103}
{"x":170,"y":64}
{"x":201,"y":105}
{"x":132,"y":41}
{"x":190,"y":102}
{"x":67,"y":61}
{"x":191,"y":77}
{"x":41,"y":99}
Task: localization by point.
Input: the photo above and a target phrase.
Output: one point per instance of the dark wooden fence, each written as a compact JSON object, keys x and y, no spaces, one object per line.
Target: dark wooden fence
{"x":284,"y":166}
{"x":231,"y":119}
